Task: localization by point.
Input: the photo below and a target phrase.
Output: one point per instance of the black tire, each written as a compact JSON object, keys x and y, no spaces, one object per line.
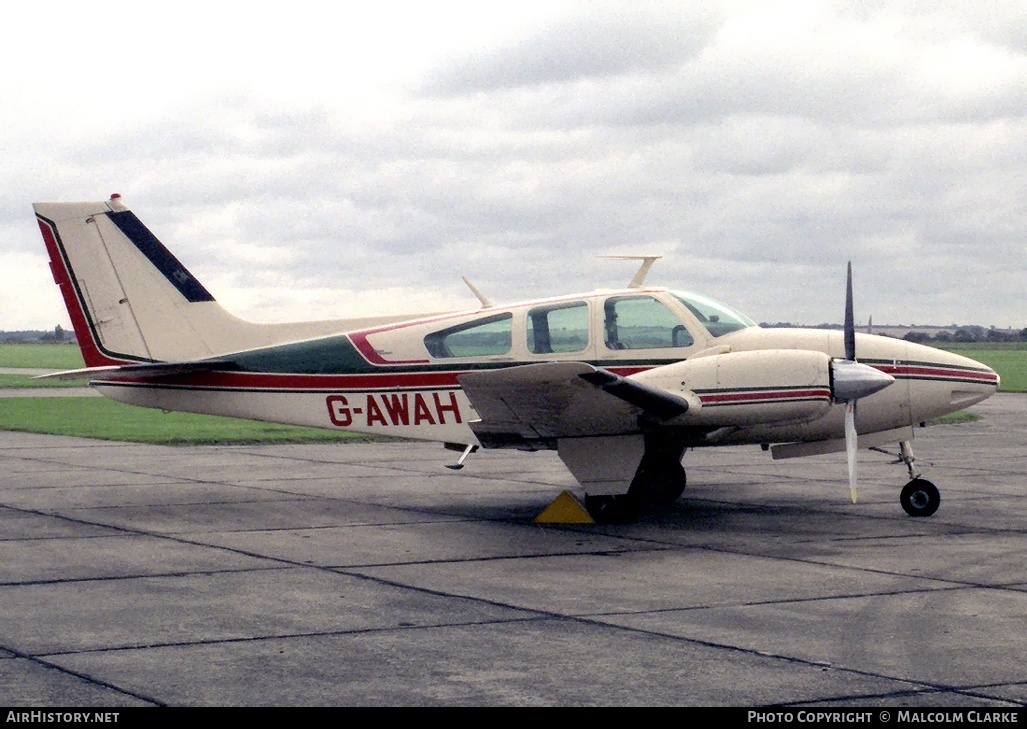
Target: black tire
{"x":665,"y":483}
{"x":612,"y":509}
{"x":920,"y":497}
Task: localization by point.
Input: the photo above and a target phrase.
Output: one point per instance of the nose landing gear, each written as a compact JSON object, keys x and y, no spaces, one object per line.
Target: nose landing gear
{"x":919,"y":497}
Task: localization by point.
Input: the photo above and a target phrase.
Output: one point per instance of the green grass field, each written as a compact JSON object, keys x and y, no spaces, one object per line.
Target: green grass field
{"x":961,"y":416}
{"x":1009,"y":359}
{"x":97,"y":417}
{"x":31,"y":381}
{"x":45,"y":356}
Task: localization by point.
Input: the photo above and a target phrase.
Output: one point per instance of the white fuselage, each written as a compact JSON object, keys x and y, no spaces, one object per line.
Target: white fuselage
{"x":400,"y":379}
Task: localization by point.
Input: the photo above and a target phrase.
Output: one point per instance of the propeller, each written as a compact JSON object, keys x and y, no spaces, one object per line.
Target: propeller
{"x":853,"y":381}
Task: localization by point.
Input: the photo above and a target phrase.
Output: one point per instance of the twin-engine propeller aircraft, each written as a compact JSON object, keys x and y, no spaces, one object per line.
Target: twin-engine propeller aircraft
{"x":620,"y":383}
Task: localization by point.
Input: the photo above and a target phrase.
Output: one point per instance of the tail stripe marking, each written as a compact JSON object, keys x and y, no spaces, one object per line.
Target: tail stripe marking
{"x":159,"y":256}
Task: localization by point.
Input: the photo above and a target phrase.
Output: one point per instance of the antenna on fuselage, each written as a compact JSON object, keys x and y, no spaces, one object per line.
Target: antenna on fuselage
{"x":485,"y":303}
{"x":643,"y":270}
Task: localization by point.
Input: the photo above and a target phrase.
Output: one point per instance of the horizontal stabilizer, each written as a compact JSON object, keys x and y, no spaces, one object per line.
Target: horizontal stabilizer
{"x":149,"y":369}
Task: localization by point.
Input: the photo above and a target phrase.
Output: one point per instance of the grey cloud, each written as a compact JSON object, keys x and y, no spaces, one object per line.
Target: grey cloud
{"x":564,"y":79}
{"x":1002,"y":23}
{"x":756,"y":181}
{"x":607,"y":39}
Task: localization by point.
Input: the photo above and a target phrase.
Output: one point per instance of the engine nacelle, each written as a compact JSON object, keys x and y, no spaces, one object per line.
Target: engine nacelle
{"x":737,"y":388}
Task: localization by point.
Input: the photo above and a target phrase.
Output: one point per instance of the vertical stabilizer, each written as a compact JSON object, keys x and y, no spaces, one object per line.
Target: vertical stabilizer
{"x":130,"y":299}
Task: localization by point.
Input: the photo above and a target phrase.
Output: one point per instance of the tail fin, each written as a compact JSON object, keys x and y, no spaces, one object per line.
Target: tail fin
{"x":131,"y":300}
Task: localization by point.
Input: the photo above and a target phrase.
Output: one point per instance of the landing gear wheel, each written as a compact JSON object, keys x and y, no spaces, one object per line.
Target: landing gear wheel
{"x":920,"y":497}
{"x":666,"y":483}
{"x":612,"y":509}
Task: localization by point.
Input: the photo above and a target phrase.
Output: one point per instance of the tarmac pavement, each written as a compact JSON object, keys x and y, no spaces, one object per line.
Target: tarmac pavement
{"x":370,"y":574}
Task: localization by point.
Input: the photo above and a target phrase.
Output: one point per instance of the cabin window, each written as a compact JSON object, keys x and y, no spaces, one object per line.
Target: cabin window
{"x":558,"y":328}
{"x":480,"y":338}
{"x":642,"y":322}
{"x":716,"y":317}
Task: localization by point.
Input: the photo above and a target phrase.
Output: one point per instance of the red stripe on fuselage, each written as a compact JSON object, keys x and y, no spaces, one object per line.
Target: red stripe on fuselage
{"x":387,"y":380}
{"x":369,"y":353}
{"x":935,"y":371}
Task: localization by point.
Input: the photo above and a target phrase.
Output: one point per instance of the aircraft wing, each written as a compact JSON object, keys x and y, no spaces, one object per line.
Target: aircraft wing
{"x":543,"y":402}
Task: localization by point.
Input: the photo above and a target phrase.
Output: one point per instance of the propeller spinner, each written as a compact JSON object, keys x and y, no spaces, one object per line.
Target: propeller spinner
{"x":852,"y":381}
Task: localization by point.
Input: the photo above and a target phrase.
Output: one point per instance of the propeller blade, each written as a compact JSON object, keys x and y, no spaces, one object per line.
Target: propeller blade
{"x":850,"y":321}
{"x":850,"y":445}
{"x":852,"y":381}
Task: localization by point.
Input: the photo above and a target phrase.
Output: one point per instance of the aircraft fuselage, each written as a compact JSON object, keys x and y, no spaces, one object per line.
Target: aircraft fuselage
{"x":401,"y":379}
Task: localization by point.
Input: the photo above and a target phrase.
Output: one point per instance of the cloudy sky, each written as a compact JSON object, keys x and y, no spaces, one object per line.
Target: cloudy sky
{"x":319,"y":160}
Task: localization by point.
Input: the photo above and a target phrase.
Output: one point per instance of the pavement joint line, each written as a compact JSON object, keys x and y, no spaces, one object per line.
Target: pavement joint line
{"x":788,"y":601}
{"x":65,"y":487}
{"x":90,"y":442}
{"x":537,"y":616}
{"x":297,"y":635}
{"x":608,"y":552}
{"x":146,"y":576}
{"x":82,"y":676}
{"x":345,"y":569}
{"x":664,"y":547}
{"x":706,"y":643}
{"x":739,"y":506}
{"x":789,"y":659}
{"x":820,"y":563}
{"x":351,"y":525}
{"x":936,"y":521}
{"x":328,"y":462}
{"x":296,"y":498}
{"x":352,"y":571}
{"x":194,"y":541}
{"x":401,"y":468}
{"x":925,"y":687}
{"x":178,"y":479}
{"x":860,"y":538}
{"x":889,"y":573}
{"x":187,"y":479}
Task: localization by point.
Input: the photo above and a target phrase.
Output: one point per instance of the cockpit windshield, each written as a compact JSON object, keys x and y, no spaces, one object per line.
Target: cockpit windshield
{"x":716,"y":317}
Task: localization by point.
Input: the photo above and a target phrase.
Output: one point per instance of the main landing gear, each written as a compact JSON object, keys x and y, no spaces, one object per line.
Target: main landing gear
{"x":919,"y":497}
{"x":660,"y":479}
